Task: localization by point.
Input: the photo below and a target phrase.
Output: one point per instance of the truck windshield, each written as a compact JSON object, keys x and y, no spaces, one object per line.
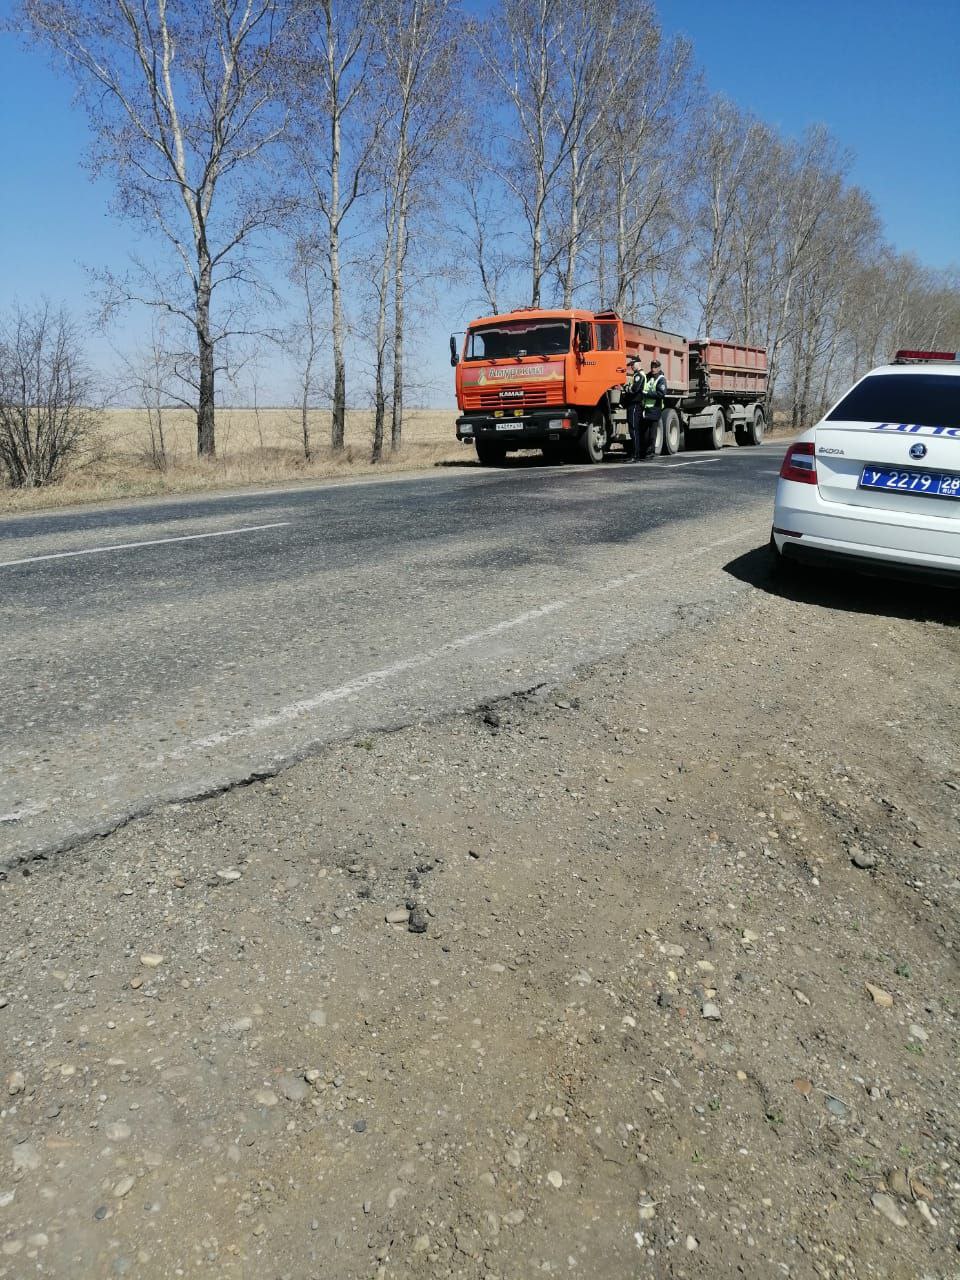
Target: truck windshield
{"x":516,"y":338}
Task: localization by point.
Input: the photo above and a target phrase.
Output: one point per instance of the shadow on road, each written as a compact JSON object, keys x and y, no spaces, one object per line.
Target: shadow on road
{"x":528,"y":461}
{"x":851,"y":592}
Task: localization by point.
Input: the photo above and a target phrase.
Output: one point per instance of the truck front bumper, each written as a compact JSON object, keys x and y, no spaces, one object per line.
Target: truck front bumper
{"x":535,"y":428}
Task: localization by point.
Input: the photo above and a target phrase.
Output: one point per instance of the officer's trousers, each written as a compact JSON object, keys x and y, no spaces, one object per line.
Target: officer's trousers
{"x":648,"y":437}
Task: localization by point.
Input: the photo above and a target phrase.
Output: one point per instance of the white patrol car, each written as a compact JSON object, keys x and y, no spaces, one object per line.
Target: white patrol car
{"x":875,"y":485}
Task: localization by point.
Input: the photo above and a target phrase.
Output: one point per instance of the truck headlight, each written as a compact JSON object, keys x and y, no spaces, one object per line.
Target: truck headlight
{"x":558,"y":424}
{"x":467,"y":429}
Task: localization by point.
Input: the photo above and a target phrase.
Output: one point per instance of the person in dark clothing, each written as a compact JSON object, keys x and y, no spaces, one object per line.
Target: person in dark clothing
{"x":651,"y":401}
{"x":632,"y":397}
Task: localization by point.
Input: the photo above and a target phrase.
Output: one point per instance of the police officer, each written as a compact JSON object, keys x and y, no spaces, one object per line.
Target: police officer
{"x":632,"y":397}
{"x":652,"y":401}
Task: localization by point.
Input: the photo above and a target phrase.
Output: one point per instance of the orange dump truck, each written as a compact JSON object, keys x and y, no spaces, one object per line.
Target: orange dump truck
{"x":551,"y":380}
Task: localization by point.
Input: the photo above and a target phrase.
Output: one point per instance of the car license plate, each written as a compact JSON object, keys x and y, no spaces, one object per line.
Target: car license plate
{"x":509,"y":426}
{"x":932,"y":483}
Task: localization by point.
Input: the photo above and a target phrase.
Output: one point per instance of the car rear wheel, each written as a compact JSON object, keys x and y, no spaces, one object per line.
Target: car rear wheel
{"x":591,"y":443}
{"x":490,"y":453}
{"x":670,"y":421}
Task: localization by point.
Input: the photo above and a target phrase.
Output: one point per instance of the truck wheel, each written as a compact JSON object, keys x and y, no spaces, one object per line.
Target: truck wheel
{"x":717,"y":431}
{"x":490,"y":453}
{"x":591,"y":443}
{"x":756,"y":428}
{"x":671,"y":431}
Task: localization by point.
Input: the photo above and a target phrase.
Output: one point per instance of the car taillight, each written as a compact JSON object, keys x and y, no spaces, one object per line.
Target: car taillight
{"x":800,"y":464}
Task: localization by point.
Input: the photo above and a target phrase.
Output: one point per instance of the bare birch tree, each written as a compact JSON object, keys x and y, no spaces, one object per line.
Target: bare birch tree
{"x":180,"y":100}
{"x":48,"y":409}
{"x":304,"y":339}
{"x":418,"y":51}
{"x":333,"y":144}
{"x":519,"y":50}
{"x":644,"y":229}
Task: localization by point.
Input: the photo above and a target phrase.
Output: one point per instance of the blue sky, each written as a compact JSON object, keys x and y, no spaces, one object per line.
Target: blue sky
{"x":882,"y":76}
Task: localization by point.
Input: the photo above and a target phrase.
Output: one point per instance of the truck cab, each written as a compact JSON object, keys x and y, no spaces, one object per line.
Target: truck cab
{"x":540,"y":379}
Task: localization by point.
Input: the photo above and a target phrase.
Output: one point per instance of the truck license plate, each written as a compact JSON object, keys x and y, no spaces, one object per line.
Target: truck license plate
{"x":509,"y":426}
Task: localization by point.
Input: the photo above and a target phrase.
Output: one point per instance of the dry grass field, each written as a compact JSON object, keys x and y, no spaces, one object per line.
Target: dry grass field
{"x":254,"y":447}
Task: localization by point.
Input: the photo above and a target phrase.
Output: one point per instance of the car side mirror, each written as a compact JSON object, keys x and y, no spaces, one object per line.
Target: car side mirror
{"x":454,"y":354}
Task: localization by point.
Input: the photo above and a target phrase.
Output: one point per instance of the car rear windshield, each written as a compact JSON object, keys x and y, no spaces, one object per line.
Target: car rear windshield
{"x":518,"y":338}
{"x":918,"y":399}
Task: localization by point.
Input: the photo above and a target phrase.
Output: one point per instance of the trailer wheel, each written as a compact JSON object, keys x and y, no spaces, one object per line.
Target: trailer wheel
{"x":670,"y":420}
{"x":490,"y":453}
{"x":591,"y":442}
{"x":717,"y":432}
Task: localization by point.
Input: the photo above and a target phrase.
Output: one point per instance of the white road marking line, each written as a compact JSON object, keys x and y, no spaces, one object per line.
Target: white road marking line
{"x":153,"y":542}
{"x":666,"y":466}
{"x":295,"y":710}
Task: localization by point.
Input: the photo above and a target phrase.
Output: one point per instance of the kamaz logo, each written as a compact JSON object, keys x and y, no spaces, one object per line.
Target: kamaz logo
{"x":512,"y":393}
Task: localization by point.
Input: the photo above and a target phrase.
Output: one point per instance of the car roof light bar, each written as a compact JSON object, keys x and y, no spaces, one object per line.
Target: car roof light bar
{"x":905,"y":356}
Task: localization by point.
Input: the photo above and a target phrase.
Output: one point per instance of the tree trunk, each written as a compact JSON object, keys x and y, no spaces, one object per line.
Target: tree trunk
{"x":339,"y":417}
{"x":396,"y":424}
{"x":305,"y":421}
{"x":206,"y":440}
{"x":379,"y":390}
{"x":339,"y":414}
{"x":573,"y":230}
{"x":536,"y":270}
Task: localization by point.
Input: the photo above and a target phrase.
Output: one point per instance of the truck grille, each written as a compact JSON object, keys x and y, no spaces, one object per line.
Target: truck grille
{"x":532,"y":398}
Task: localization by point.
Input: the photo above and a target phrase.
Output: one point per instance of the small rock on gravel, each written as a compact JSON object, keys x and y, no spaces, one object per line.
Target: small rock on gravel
{"x":124,"y":1187}
{"x":883,"y":998}
{"x":711,"y":1011}
{"x":888,"y":1207}
{"x":151,"y":960}
{"x":555,"y":1178}
{"x":863,"y":859}
{"x":899,"y":1183}
{"x":399,"y":915}
{"x":294,"y":1088}
{"x":25,"y":1156}
{"x":417,"y":922}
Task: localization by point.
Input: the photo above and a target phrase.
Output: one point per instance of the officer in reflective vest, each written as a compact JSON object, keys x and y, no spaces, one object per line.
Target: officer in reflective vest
{"x":654,"y":394}
{"x":632,"y":398}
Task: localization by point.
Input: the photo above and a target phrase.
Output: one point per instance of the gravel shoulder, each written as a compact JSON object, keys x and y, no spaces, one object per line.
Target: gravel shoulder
{"x":671,"y":989}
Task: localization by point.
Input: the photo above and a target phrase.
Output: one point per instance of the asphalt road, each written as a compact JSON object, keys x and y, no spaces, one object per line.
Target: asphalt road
{"x":157,"y":651}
